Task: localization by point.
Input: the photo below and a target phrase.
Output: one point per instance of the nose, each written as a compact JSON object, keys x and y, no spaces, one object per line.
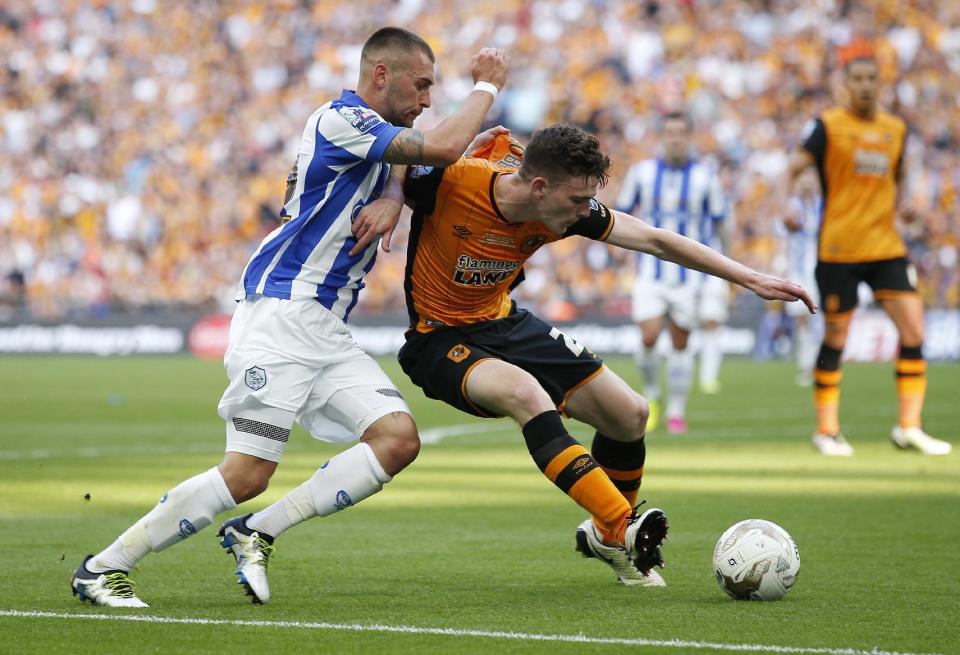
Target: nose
{"x":425,"y":99}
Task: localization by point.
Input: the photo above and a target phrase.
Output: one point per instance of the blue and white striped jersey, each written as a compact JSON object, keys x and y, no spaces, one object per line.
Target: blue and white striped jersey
{"x":686,"y":199}
{"x":339,"y":170}
{"x":802,"y":245}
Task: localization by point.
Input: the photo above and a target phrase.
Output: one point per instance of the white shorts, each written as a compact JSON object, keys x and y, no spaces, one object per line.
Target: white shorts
{"x":297,"y":356}
{"x":714,"y":300}
{"x":655,"y":299}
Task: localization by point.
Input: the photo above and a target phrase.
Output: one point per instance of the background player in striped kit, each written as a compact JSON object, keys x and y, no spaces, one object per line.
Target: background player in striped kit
{"x":291,"y":356}
{"x":677,"y":193}
{"x":802,"y":224}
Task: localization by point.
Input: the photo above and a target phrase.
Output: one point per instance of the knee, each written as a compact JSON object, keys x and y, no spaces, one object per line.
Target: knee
{"x":395,"y":441}
{"x":631,"y":423}
{"x":246,"y":476}
{"x":526,"y":397}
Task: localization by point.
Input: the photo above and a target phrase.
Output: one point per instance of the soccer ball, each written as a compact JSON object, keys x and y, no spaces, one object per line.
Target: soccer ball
{"x":756,"y":560}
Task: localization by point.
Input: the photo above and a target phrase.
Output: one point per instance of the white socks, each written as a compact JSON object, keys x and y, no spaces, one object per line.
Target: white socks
{"x":648,"y":361}
{"x":711,"y":356}
{"x":679,"y":378}
{"x":807,"y":345}
{"x":184,"y":510}
{"x":345,"y":480}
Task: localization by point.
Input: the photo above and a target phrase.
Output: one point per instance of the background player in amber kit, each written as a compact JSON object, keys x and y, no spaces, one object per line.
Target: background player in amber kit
{"x":858,"y":153}
{"x":474,"y":225}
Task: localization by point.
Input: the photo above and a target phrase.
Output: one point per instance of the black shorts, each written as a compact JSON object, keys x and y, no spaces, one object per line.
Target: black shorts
{"x":439,"y":362}
{"x":838,"y":282}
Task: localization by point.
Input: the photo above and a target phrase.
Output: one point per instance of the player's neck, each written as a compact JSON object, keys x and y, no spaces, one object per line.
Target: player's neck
{"x":863,"y":113}
{"x":513,"y":199}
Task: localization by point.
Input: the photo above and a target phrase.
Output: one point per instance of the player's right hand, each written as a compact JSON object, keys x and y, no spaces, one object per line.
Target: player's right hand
{"x":769,"y":287}
{"x":378,"y":218}
{"x":490,"y":65}
{"x":485,"y":138}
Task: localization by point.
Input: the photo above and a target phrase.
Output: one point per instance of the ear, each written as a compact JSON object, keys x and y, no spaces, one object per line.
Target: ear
{"x":380,"y":74}
{"x":538,"y":187}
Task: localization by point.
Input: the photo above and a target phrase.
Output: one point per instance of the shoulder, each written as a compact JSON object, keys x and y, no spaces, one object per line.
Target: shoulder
{"x":472,"y":171}
{"x":892,"y":122}
{"x":346,"y":115}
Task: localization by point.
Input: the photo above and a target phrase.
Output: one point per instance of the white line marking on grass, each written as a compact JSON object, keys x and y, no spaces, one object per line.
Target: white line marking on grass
{"x":436,"y":435}
{"x":455,"y":632}
{"x":87,"y":453}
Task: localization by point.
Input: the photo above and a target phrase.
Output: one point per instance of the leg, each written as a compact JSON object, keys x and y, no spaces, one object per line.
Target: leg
{"x":182,"y":511}
{"x":679,"y":379}
{"x":906,"y":311}
{"x":838,"y":289}
{"x":618,"y":413}
{"x":650,"y":304}
{"x":647,"y":358}
{"x":505,"y":389}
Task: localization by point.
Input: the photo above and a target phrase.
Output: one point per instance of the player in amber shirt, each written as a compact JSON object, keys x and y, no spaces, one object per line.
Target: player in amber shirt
{"x":474,"y":225}
{"x":858,"y":153}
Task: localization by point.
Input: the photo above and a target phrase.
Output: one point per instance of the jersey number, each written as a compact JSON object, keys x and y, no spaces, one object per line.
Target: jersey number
{"x":571,"y":344}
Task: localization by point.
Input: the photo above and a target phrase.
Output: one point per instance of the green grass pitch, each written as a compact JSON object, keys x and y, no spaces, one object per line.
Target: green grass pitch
{"x":472,"y":538}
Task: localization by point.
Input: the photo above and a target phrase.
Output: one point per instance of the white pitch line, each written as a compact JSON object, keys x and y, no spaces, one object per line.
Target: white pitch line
{"x":436,"y":435}
{"x":88,"y":453}
{"x":455,"y":632}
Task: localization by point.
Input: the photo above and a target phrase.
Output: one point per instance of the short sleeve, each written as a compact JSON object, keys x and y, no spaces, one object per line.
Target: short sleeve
{"x":354,"y":132}
{"x":596,"y":226}
{"x":814,"y":139}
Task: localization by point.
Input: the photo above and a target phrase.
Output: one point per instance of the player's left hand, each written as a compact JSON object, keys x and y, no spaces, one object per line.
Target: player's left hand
{"x":380,"y":217}
{"x":769,"y":287}
{"x":485,"y":138}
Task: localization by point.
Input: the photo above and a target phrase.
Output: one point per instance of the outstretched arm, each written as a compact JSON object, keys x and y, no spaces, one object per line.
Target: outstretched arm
{"x":632,"y":233}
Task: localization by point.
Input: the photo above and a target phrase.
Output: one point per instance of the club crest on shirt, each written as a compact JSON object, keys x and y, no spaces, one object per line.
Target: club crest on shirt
{"x":360,"y":117}
{"x":419,"y":171}
{"x":255,"y":378}
{"x":532,"y":243}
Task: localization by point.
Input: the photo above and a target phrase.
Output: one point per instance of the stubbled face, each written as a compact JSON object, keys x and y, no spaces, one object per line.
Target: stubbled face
{"x":675,"y":136}
{"x":566,"y":202}
{"x":406,"y":92}
{"x":862,"y":81}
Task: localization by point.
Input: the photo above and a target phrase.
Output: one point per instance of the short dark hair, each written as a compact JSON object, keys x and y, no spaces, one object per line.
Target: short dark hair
{"x":562,"y":151}
{"x":864,"y":59}
{"x":397,"y":40}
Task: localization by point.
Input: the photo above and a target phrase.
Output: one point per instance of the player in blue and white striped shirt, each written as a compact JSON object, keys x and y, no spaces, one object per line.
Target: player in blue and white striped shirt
{"x":802,"y":225}
{"x":678,"y":193}
{"x":291,"y":356}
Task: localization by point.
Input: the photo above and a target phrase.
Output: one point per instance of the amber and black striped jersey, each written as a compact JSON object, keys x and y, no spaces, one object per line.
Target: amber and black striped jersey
{"x":858,"y":161}
{"x":463,"y":256}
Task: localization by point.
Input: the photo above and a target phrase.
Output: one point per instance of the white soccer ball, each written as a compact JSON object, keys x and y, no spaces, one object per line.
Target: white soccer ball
{"x":756,"y":560}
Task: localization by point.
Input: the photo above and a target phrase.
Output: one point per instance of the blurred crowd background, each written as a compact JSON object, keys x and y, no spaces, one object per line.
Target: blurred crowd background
{"x":144,"y":145}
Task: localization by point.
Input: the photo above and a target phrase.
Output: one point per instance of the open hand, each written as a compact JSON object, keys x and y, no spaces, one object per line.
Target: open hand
{"x":380,"y":217}
{"x":769,"y":287}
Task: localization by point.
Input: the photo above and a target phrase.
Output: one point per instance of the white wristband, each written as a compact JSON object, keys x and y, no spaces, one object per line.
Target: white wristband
{"x":486,"y":86}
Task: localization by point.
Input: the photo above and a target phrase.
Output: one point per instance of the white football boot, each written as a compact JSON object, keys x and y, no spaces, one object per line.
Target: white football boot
{"x":920,"y":440}
{"x":832,"y":445}
{"x":110,"y":588}
{"x":633,"y":566}
{"x":252,"y":551}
